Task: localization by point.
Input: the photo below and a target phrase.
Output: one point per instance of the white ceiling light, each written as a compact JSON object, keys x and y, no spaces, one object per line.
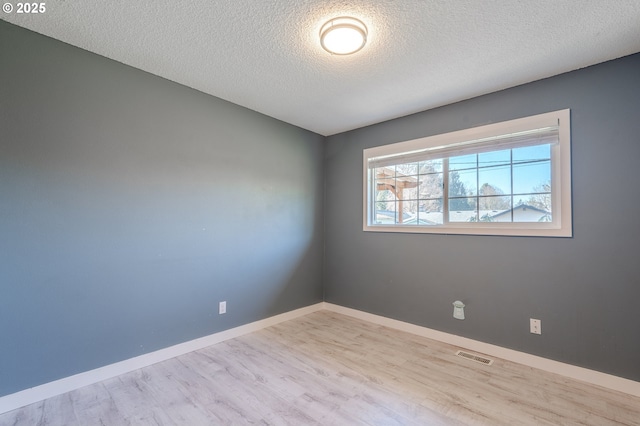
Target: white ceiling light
{"x":343,"y":36}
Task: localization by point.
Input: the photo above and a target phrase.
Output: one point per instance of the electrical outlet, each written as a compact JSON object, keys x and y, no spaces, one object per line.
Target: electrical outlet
{"x":222,"y":308}
{"x":536,"y":326}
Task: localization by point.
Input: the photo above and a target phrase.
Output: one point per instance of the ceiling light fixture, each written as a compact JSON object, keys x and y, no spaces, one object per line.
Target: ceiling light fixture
{"x":343,"y":36}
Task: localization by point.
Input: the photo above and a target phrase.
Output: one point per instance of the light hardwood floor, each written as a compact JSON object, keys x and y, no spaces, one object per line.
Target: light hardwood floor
{"x":329,"y":369}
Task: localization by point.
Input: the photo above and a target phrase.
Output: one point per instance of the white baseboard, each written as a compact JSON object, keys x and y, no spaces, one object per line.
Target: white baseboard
{"x":67,"y":384}
{"x":578,"y":373}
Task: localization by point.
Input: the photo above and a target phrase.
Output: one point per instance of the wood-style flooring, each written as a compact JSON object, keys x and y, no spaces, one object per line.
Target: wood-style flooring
{"x":329,"y":369}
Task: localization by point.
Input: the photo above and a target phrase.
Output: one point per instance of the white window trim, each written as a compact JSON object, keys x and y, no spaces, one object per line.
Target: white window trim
{"x":560,"y":179}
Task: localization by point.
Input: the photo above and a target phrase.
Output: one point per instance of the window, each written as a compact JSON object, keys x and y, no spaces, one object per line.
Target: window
{"x":509,"y":178}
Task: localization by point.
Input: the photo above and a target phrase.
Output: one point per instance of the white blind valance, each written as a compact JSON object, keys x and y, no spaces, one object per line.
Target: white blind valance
{"x":540,"y":136}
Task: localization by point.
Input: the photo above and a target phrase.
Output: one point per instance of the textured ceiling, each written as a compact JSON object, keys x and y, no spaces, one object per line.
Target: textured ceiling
{"x":266,"y":56}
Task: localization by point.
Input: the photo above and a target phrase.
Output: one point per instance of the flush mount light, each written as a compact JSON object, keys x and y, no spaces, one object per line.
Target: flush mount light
{"x":343,"y":36}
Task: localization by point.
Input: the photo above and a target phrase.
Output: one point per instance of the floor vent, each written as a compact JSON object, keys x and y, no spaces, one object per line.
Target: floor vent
{"x":476,"y":358}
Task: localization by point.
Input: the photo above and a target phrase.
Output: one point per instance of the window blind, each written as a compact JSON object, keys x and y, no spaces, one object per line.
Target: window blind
{"x":541,"y":136}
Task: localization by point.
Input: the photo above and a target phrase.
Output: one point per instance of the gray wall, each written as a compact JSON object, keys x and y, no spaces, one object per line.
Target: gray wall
{"x":130,"y":206}
{"x":586,"y":289}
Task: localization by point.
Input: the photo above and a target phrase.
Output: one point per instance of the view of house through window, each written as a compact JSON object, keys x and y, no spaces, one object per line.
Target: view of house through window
{"x":497,"y":179}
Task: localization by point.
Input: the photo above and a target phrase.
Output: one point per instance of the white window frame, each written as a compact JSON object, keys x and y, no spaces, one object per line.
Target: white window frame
{"x":561,"y":225}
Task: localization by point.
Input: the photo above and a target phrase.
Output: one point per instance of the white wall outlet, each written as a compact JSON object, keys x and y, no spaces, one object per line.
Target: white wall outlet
{"x":222,"y":308}
{"x":535,"y":325}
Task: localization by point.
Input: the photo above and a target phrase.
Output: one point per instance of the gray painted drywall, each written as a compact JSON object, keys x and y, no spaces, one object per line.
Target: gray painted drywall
{"x":130,"y":206}
{"x":585,"y":289}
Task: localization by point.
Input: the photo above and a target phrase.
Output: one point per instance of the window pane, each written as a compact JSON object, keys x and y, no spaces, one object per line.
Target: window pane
{"x":386,"y":214}
{"x":495,"y":180}
{"x":409,"y":212}
{"x":463,"y":183}
{"x":463,"y":162}
{"x":431,"y":166}
{"x":385,"y":173}
{"x":495,"y":158}
{"x":463,"y":210}
{"x":531,"y":177}
{"x":532,"y":153}
{"x":431,"y":216}
{"x":431,"y":205}
{"x":430,"y":186}
{"x":385,"y":195}
{"x":384,"y":202}
{"x":528,"y":213}
{"x":410,"y":194}
{"x":542,"y":201}
{"x":494,"y":209}
{"x":407,"y":169}
{"x":384,"y":217}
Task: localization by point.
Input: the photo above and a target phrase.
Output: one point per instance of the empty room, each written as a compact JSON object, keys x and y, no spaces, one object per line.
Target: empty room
{"x":320,"y":212}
